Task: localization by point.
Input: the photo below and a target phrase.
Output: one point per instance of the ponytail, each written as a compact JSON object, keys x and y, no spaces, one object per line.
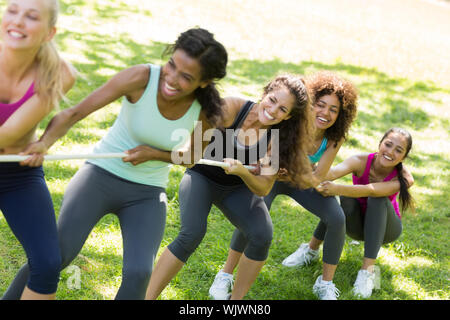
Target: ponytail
{"x":405,"y":197}
{"x":211,"y":102}
{"x":49,"y":83}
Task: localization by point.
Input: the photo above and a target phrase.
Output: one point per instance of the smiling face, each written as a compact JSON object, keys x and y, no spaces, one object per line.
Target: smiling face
{"x":326,"y":111}
{"x":392,"y":149}
{"x":26,"y":24}
{"x":180,"y":76}
{"x":275,"y":106}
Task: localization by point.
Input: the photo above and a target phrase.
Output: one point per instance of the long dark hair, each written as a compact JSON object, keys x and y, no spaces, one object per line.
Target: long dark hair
{"x":406,"y":200}
{"x":295,"y":132}
{"x":200,"y":44}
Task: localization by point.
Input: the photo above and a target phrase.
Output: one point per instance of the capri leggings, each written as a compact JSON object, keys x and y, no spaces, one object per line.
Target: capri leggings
{"x":141,"y":209}
{"x":331,"y":227}
{"x":379,"y":225}
{"x":246,"y":211}
{"x":28,"y":209}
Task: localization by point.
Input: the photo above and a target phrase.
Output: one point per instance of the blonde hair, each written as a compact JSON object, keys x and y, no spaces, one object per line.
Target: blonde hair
{"x":49,"y":75}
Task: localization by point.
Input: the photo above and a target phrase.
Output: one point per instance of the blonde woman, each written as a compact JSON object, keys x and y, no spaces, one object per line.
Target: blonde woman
{"x":34,"y":80}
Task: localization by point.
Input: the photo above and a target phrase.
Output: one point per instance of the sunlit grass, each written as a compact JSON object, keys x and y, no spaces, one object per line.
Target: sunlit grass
{"x":396,"y":89}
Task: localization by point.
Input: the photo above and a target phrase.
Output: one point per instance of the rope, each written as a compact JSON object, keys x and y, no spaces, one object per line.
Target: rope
{"x":56,"y":157}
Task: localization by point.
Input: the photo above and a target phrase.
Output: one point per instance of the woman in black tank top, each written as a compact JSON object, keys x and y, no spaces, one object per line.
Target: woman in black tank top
{"x":246,"y":137}
{"x":233,"y":149}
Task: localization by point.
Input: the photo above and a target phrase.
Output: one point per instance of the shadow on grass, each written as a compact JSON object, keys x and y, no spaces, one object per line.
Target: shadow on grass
{"x":388,"y":99}
{"x":388,"y":102}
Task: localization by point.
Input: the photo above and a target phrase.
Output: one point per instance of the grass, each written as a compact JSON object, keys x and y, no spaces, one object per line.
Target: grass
{"x":403,"y":81}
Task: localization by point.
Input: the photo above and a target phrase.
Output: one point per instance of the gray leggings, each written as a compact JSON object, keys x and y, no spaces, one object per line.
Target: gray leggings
{"x":91,"y":194}
{"x":379,"y":225}
{"x":331,"y":227}
{"x":245,"y":210}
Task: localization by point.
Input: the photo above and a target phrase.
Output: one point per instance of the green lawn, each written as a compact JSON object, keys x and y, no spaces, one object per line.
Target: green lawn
{"x":403,"y":79}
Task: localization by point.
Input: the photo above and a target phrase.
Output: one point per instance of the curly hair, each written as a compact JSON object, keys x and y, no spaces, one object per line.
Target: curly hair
{"x":212,"y":56}
{"x":325,"y":83}
{"x":294,"y":133}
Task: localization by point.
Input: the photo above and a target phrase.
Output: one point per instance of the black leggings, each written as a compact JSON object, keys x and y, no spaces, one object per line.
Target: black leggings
{"x":91,"y":194}
{"x":28,"y":208}
{"x":244,"y":209}
{"x":379,"y":225}
{"x":331,"y":228}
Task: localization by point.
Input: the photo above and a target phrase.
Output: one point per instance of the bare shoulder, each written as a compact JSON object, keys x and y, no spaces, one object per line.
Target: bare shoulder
{"x":360,"y":159}
{"x":69,"y":75}
{"x":357,"y":163}
{"x":408,"y":176}
{"x":140,"y":73}
{"x":332,"y":144}
{"x":134,"y":81}
{"x":134,"y":78}
{"x":232,"y":105}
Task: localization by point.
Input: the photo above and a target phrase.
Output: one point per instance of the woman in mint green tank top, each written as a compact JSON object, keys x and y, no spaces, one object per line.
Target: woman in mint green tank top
{"x":157,"y":101}
{"x":334,"y":104}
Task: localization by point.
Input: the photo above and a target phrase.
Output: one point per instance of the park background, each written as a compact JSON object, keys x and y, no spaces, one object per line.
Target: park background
{"x":397,"y":52}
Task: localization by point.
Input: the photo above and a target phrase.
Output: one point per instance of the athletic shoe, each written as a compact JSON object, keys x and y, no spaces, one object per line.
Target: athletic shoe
{"x":304,"y":255}
{"x":222,"y":286}
{"x":364,"y":284}
{"x":325,"y":290}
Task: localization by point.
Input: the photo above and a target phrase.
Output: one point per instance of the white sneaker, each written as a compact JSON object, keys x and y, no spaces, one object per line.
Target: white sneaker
{"x":222,"y":286}
{"x":302,"y":256}
{"x":364,"y":284}
{"x":325,"y":290}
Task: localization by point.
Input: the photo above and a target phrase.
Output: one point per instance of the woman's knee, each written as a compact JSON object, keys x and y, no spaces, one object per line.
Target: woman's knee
{"x":259,"y":242}
{"x":189,"y":241}
{"x":44,"y":273}
{"x":137,"y":274}
{"x":377,"y":201}
{"x":335,"y":218}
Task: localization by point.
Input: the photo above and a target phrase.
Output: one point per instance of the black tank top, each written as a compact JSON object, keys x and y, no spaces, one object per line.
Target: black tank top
{"x":224,"y":144}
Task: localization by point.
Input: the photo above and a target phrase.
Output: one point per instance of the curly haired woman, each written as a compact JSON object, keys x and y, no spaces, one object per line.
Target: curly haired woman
{"x":335,"y":106}
{"x":237,"y":192}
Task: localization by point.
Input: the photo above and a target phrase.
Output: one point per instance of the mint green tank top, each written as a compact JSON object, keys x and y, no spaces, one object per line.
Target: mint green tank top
{"x":141,"y":123}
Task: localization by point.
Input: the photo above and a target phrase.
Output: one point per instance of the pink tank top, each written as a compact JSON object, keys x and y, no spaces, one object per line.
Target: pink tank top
{"x":7,"y":109}
{"x":364,"y":179}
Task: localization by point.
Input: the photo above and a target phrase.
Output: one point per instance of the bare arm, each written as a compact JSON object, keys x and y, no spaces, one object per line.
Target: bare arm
{"x":24,"y":121}
{"x":377,"y":189}
{"x":353,"y":164}
{"x":322,"y":168}
{"x":120,"y":85}
{"x":124,"y":83}
{"x":258,"y":184}
{"x":192,"y":153}
{"x":186,"y":157}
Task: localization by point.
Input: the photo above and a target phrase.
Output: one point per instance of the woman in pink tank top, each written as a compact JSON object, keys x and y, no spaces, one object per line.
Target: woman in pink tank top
{"x":30,"y":88}
{"x":370,"y":204}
